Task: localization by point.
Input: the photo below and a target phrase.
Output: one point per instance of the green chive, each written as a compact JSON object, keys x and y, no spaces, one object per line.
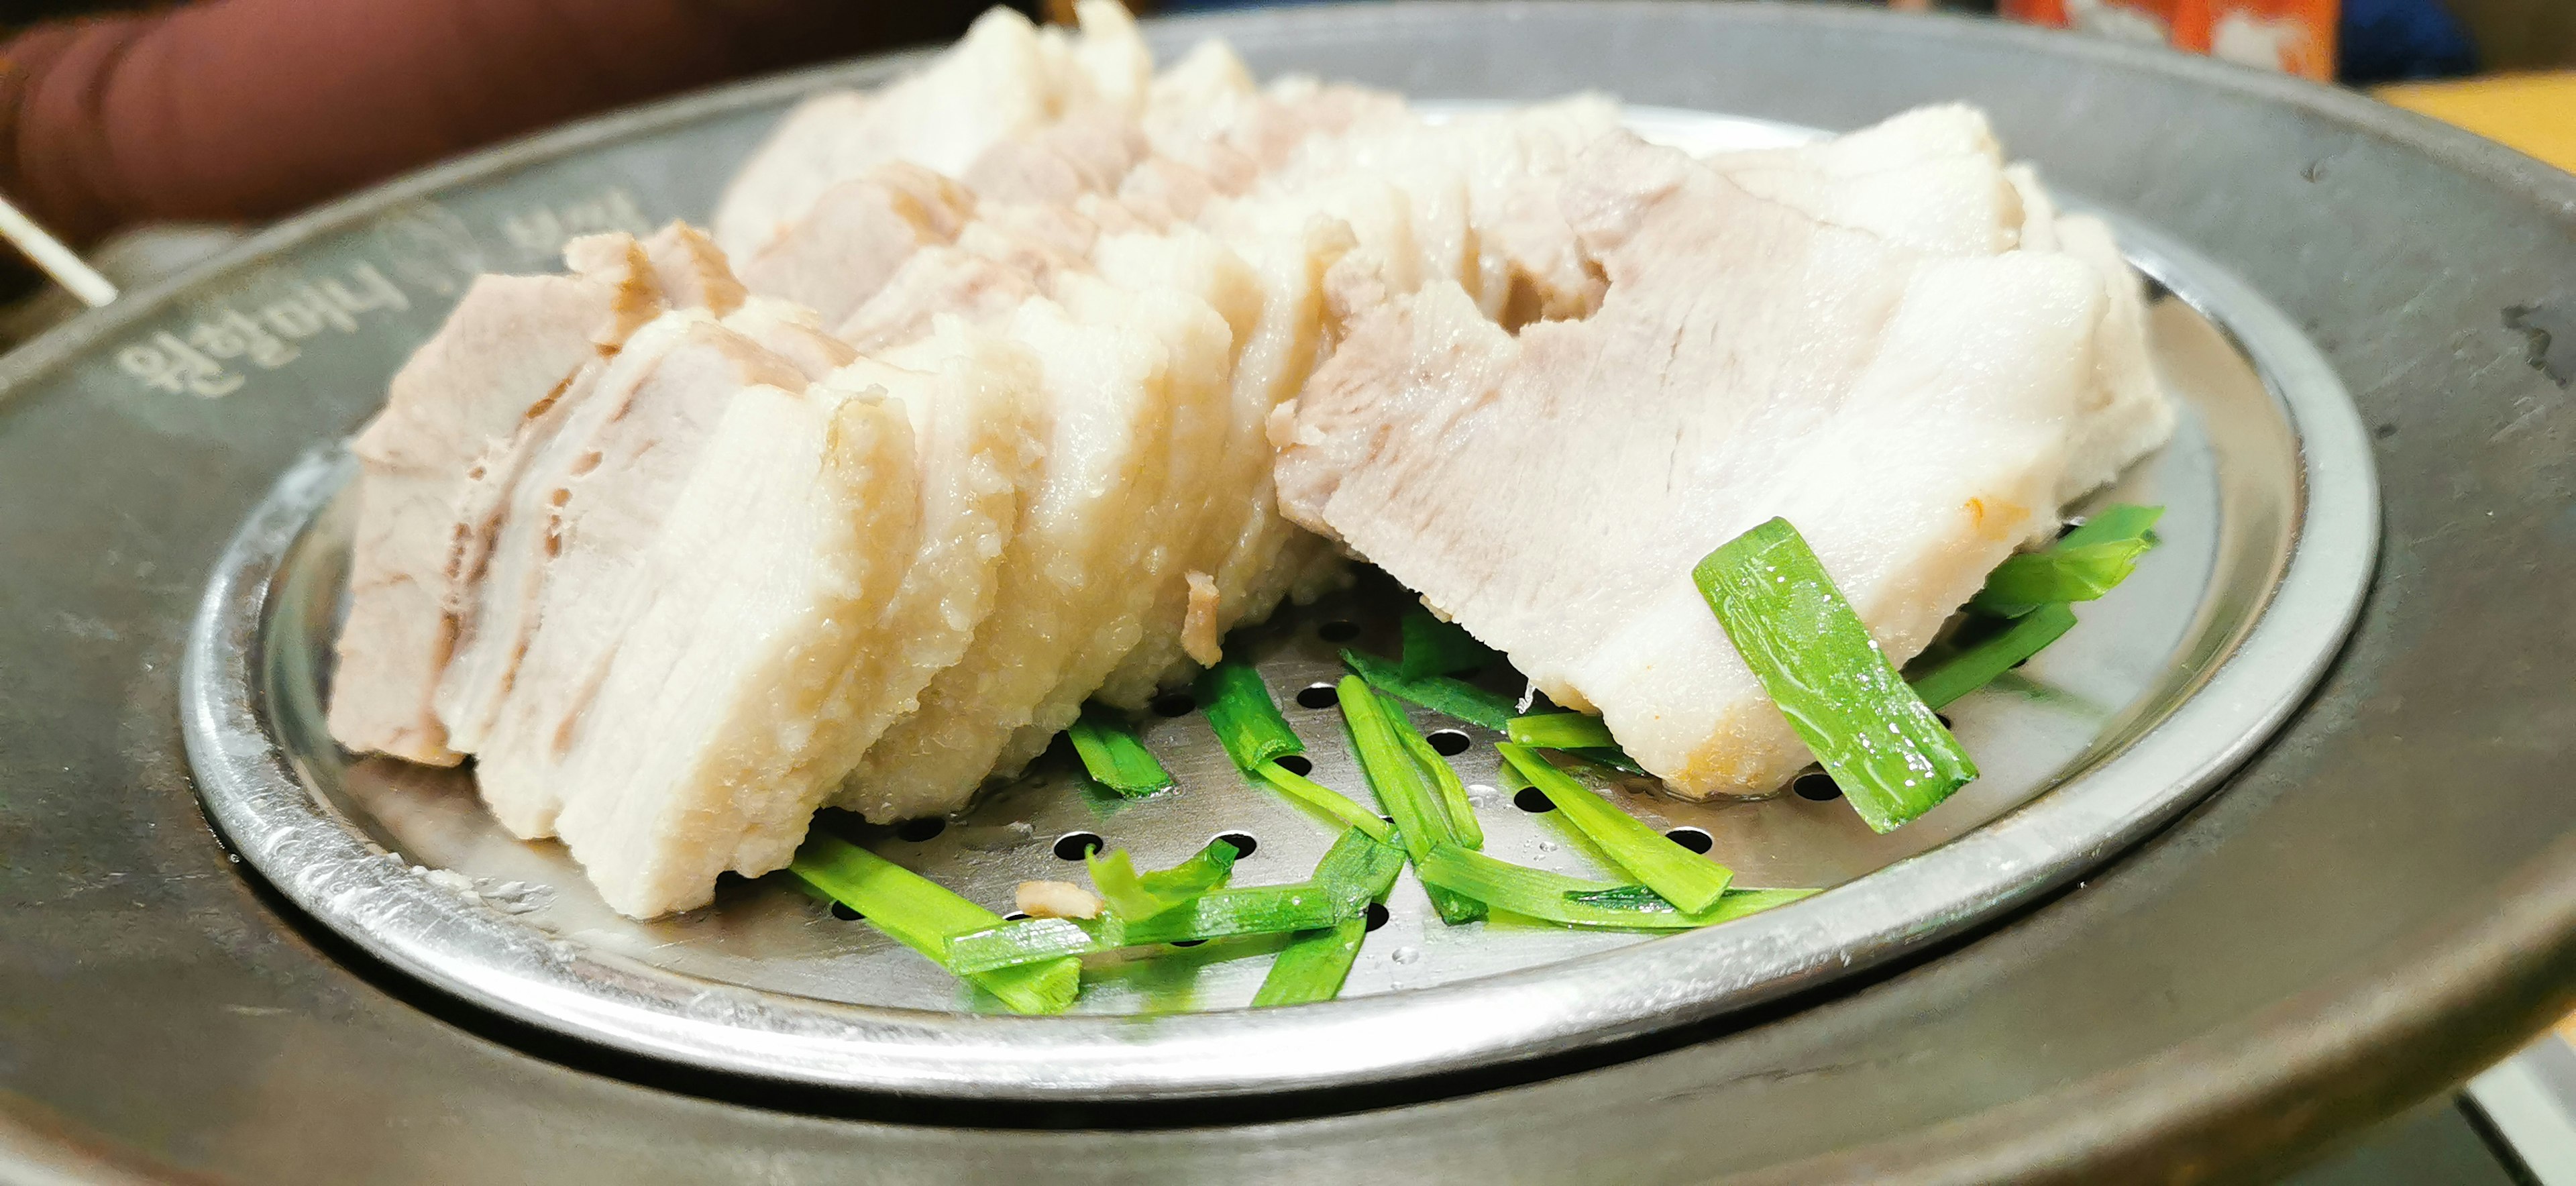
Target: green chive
{"x":1572,"y":901}
{"x":1433,"y":647}
{"x":1977,"y":664}
{"x":1326,"y":799}
{"x":1400,"y":786}
{"x":1246,"y":720}
{"x":1612,"y":758}
{"x":1134,"y":896}
{"x":1891,"y":756}
{"x":1113,"y":757}
{"x":2086,"y":564}
{"x":1691,"y":882}
{"x":1222,"y":914}
{"x":1314,"y":964}
{"x":1440,"y":694}
{"x":1560,"y":730}
{"x":1463,"y":824}
{"x":921,"y":915}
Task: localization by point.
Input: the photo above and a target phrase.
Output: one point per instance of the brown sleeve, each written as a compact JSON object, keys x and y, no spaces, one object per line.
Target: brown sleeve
{"x":249,"y":109}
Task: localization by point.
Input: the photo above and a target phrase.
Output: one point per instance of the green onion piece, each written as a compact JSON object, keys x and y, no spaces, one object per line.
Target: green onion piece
{"x":1691,"y":882}
{"x":1223,"y":914}
{"x":1891,"y":756}
{"x":1314,"y":964}
{"x":1440,"y":694}
{"x":1134,"y":896}
{"x":1977,"y":664}
{"x":1463,"y":824}
{"x":1612,"y":758}
{"x":1401,"y":788}
{"x":1304,"y":906}
{"x":1560,"y":730}
{"x":1113,"y":757}
{"x":2033,"y":579}
{"x":921,"y":915}
{"x":1434,"y":647}
{"x":1326,"y":799}
{"x":1246,"y":720}
{"x":1575,"y":902}
{"x":2118,"y":521}
{"x":997,"y":949}
{"x":2086,"y":564}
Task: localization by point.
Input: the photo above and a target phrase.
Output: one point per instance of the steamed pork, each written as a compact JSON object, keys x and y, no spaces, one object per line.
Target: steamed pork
{"x":1018,"y":382}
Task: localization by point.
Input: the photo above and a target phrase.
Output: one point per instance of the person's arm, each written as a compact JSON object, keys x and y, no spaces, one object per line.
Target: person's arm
{"x":249,"y":109}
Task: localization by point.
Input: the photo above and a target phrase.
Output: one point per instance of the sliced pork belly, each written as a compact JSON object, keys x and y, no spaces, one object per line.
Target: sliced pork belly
{"x":504,"y":357}
{"x":855,"y":235}
{"x":601,"y":492}
{"x":1004,"y":78}
{"x":1114,"y":419}
{"x":759,"y":582}
{"x":1912,"y":416}
{"x":2129,"y":413}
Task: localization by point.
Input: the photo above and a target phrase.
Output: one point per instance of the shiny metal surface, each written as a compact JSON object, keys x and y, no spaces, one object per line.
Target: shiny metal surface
{"x":2122,"y":724}
{"x":2383,"y":900}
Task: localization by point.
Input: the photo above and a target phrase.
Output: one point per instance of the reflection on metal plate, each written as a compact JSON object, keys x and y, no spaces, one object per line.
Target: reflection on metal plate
{"x":2268,"y":541}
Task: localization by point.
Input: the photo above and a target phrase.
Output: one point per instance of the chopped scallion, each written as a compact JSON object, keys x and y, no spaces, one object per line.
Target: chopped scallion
{"x":1433,"y":647}
{"x":1136,"y":896}
{"x":921,"y":915}
{"x":1314,"y":964}
{"x":1401,"y":788}
{"x":1573,"y":901}
{"x":1691,"y":882}
{"x":1245,"y":718}
{"x":1464,"y":827}
{"x":2086,"y":564}
{"x":1331,"y":802}
{"x":1890,"y":754}
{"x":1113,"y":757}
{"x":1221,"y":914}
{"x":1560,"y":730}
{"x":1439,"y":693}
{"x":1977,"y":664}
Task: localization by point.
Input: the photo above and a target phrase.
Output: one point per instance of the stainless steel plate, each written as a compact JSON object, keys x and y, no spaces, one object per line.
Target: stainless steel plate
{"x":2268,"y":545}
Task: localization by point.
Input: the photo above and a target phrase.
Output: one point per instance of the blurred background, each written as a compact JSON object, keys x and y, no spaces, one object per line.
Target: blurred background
{"x":147,"y":138}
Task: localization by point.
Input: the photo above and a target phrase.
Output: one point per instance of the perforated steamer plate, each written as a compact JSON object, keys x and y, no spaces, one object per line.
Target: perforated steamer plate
{"x":2268,"y":543}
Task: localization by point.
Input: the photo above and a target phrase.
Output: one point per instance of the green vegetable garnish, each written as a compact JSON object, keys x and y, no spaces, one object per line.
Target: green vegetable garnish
{"x":1461,"y":813}
{"x":1143,"y":896}
{"x":1433,"y":647}
{"x":1326,"y":799}
{"x":1572,"y":901}
{"x":1440,"y":694}
{"x":1401,"y":787}
{"x":1560,"y":730}
{"x":1222,"y":914}
{"x":1691,"y":882}
{"x":2086,"y":564}
{"x":1891,"y":755}
{"x":922,"y":916}
{"x":1113,"y":757}
{"x":1246,"y":720}
{"x":1977,"y":664}
{"x":1314,"y":965}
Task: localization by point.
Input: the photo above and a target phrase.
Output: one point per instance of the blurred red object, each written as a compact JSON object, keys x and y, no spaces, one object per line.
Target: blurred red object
{"x":231,"y":110}
{"x":2292,"y":36}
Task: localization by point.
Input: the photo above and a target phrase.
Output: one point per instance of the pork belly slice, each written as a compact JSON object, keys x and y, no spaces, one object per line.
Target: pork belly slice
{"x":855,"y":235}
{"x":504,"y":357}
{"x":696,"y":748}
{"x":596,"y":498}
{"x":510,"y":517}
{"x":1550,"y":491}
{"x":1118,"y":414}
{"x":1005,"y":77}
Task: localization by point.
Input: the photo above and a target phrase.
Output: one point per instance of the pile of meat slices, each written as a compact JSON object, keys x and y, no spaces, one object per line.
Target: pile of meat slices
{"x":1020,"y":381}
